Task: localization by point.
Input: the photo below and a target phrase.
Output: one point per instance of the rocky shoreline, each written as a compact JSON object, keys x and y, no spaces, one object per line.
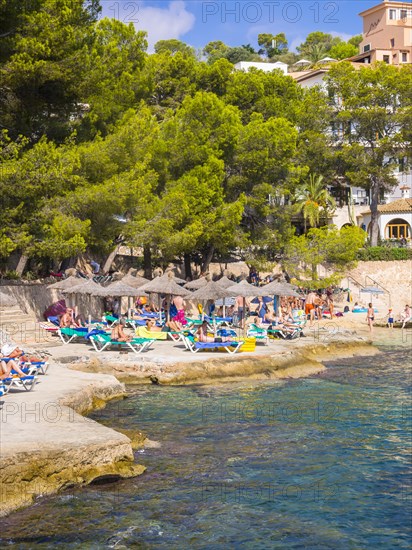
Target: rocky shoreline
{"x":47,"y":445}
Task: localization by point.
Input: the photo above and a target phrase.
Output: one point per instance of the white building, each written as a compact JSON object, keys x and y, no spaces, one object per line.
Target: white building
{"x":394,"y":220}
{"x":265,"y":67}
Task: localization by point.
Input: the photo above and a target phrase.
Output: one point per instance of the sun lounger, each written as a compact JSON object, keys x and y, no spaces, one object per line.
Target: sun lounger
{"x":3,"y":389}
{"x":142,"y":332}
{"x":67,"y":335}
{"x":41,"y":366}
{"x":100,"y":342}
{"x":48,"y":326}
{"x":281,"y":332}
{"x":261,"y":334}
{"x":231,"y":347}
{"x":26,"y":383}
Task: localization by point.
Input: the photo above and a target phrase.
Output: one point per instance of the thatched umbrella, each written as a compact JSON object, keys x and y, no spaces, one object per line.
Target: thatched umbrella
{"x":120,"y":289}
{"x":177,"y":280}
{"x":136,"y":281}
{"x":280,"y":289}
{"x":225,"y":282}
{"x":245,"y":290}
{"x":210,"y":291}
{"x":70,"y":282}
{"x":165,"y":285}
{"x":89,"y":288}
{"x":197,"y":283}
{"x":6,"y":300}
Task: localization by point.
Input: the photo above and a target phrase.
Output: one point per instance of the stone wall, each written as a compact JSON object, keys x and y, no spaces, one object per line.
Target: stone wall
{"x":396,"y":277}
{"x":35,"y":298}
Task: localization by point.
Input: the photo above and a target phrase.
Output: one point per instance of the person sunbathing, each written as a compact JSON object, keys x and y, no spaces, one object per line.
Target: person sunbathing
{"x":173,"y":326}
{"x":202,"y":333}
{"x":118,"y":334}
{"x":203,"y":336}
{"x":7,"y":365}
{"x":67,"y":320}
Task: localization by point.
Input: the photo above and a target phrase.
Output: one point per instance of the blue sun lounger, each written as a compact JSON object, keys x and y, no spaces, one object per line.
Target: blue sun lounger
{"x":24,"y":383}
{"x":231,"y":347}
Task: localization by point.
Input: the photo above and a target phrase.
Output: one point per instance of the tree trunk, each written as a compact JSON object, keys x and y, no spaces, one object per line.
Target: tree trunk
{"x":147,"y":262}
{"x":374,"y":227}
{"x":110,"y":259}
{"x":21,"y":266}
{"x":188,"y":265}
{"x":208,"y":258}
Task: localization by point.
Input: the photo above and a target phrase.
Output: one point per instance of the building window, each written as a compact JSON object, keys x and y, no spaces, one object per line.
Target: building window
{"x":392,"y":42}
{"x":404,"y":14}
{"x":398,"y":229}
{"x":392,"y":14}
{"x":386,"y":58}
{"x":366,"y":48}
{"x":404,"y":57}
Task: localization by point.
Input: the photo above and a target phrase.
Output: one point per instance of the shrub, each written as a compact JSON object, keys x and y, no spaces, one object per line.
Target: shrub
{"x":380,"y":253}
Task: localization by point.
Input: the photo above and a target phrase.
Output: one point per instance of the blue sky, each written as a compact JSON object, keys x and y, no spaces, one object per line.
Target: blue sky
{"x":238,"y":22}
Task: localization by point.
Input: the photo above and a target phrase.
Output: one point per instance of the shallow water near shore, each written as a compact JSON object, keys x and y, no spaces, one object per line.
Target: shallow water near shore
{"x":322,"y":462}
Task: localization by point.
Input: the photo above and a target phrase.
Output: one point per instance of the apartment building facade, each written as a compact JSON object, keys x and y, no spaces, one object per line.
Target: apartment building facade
{"x":387,"y":34}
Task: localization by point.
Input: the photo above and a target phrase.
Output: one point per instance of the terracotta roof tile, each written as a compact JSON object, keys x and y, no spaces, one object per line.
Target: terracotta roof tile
{"x":401,"y":205}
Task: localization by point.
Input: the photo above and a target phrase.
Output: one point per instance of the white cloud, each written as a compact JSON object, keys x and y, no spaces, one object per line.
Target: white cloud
{"x":164,"y":23}
{"x":343,"y":35}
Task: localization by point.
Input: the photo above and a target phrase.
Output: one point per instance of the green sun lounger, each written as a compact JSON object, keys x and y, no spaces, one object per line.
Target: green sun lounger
{"x":261,"y":334}
{"x":67,"y":335}
{"x":101,"y":342}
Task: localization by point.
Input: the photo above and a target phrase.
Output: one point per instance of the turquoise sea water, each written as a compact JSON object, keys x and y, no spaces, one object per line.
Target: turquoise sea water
{"x":321,"y":463}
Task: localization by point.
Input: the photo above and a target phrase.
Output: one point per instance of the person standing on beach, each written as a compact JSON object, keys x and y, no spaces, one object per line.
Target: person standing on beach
{"x":179,"y":304}
{"x":390,"y":318}
{"x":310,"y":306}
{"x":370,"y":317}
{"x":406,"y":315}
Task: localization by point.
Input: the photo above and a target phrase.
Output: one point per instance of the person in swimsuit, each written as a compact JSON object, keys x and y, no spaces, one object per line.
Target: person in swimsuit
{"x":370,"y":317}
{"x":118,"y":334}
{"x":390,"y":318}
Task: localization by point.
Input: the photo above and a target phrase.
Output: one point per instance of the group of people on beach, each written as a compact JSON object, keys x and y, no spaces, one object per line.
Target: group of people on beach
{"x":405,"y":317}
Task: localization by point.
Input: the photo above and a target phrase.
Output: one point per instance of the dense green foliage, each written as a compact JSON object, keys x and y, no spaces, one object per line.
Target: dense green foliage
{"x":383,"y":253}
{"x":104,"y":144}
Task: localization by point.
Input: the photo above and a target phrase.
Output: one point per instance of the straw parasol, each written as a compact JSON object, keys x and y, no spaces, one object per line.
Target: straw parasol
{"x":119,"y":288}
{"x":280,"y":289}
{"x":166,"y":285}
{"x":210,"y":291}
{"x":70,"y":282}
{"x":89,"y":287}
{"x":245,"y":290}
{"x":6,"y":300}
{"x":135,"y":281}
{"x":225,"y":282}
{"x":177,"y":280}
{"x":197,"y":283}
